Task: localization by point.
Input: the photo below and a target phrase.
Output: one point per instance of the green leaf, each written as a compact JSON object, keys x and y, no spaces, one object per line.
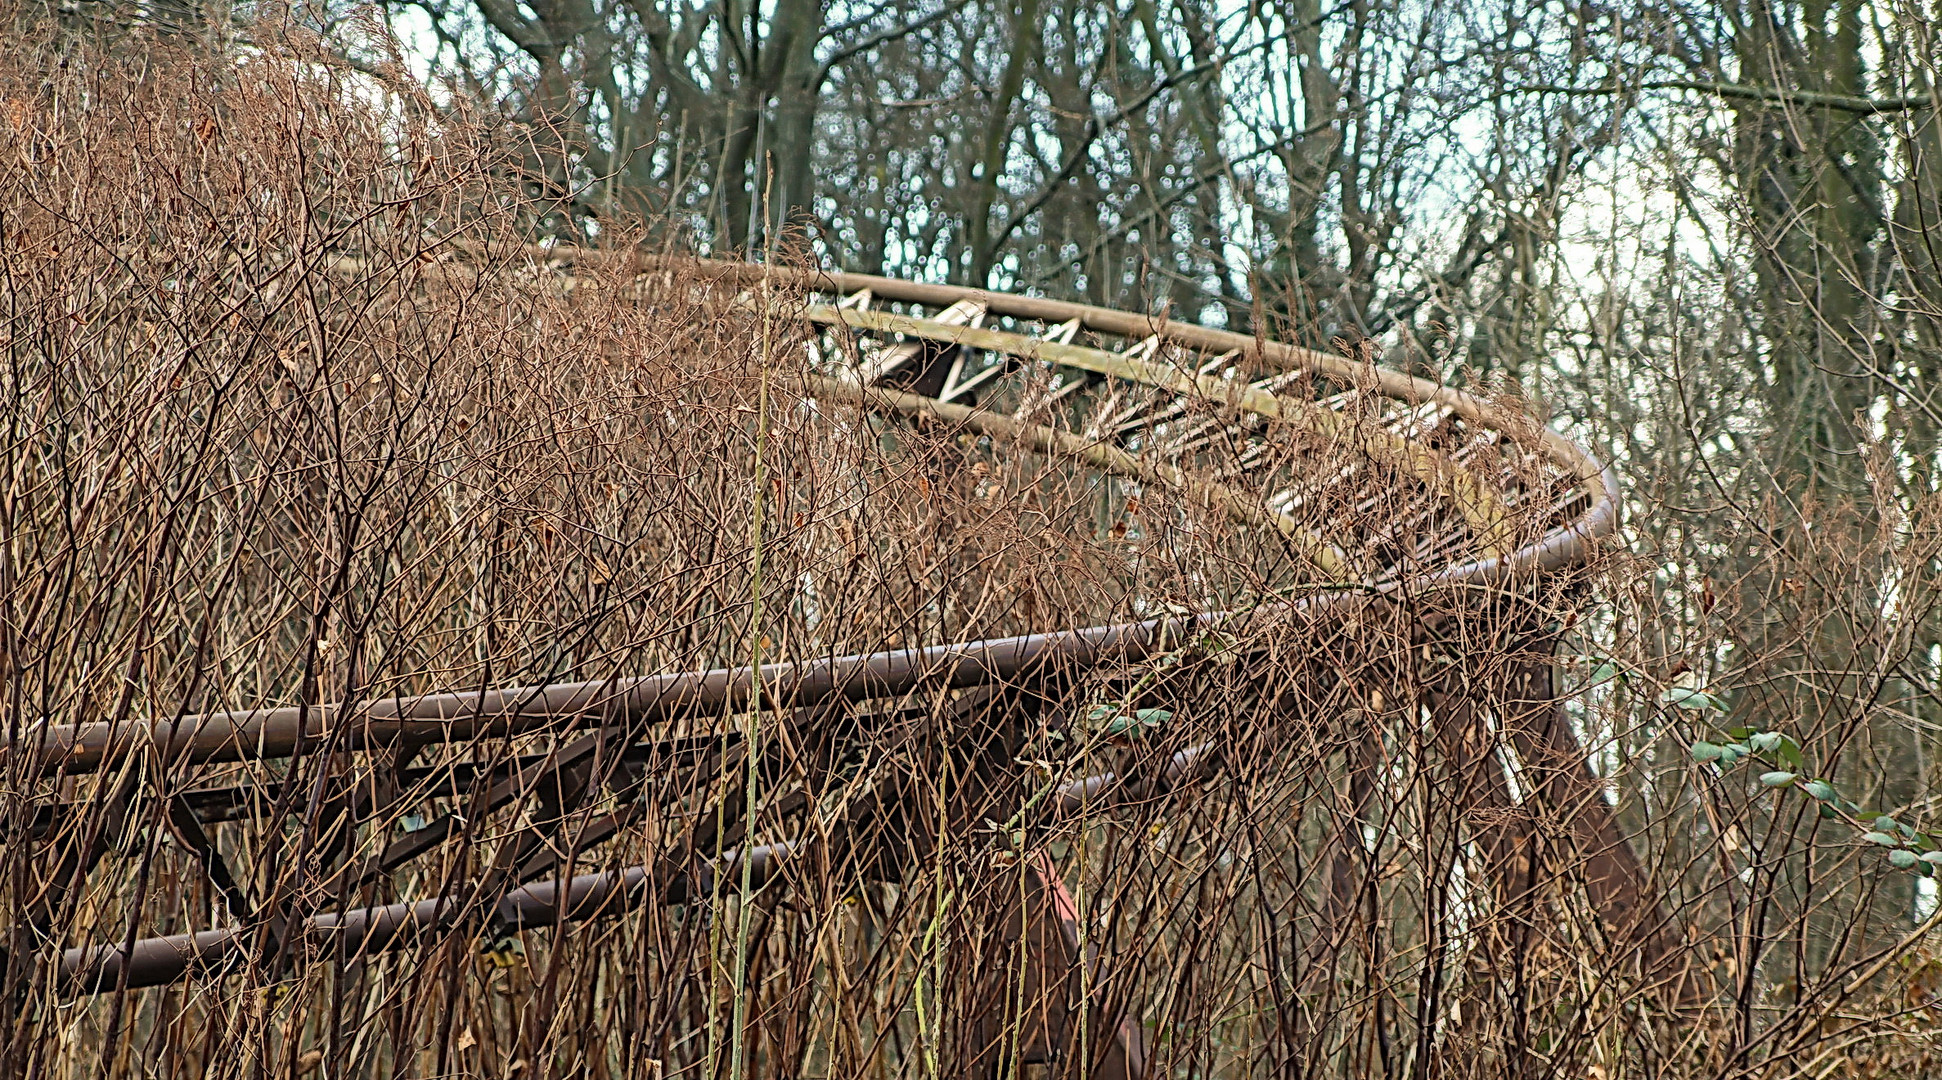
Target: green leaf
{"x":1777,"y":779}
{"x":1741,"y":732}
{"x":1223,"y":647}
{"x":1730,"y":754}
{"x":1829,"y":813}
{"x":1705,"y":751}
{"x":1820,"y":789}
{"x":1790,"y":752}
{"x":1882,"y":838}
{"x":1125,"y":725}
{"x":1903,"y":859}
{"x":1933,"y":858}
{"x":1604,"y":673}
{"x":1765,"y":742}
{"x":1887,"y":824}
{"x":1685,"y":697}
{"x":1102,"y":712}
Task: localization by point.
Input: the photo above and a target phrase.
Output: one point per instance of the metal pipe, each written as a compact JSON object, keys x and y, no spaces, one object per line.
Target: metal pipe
{"x":273,"y":733}
{"x":362,"y":932}
{"x":1092,"y":791}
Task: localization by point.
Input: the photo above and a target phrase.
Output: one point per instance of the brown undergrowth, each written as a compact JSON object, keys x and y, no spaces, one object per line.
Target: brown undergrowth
{"x":296,"y":417}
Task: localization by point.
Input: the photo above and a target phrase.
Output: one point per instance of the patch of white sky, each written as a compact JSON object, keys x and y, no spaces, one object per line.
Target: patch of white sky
{"x":418,"y":43}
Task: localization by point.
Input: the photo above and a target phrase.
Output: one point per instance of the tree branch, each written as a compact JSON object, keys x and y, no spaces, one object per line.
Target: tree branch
{"x":1810,"y":98}
{"x":1094,"y":128}
{"x":1159,"y":209}
{"x":504,"y":17}
{"x":885,"y":37}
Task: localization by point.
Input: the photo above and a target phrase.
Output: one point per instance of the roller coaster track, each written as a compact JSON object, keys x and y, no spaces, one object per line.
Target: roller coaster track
{"x":1139,"y":396}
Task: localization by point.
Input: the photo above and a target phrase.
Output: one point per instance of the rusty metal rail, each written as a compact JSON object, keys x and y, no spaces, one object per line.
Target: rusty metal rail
{"x":278,"y":732}
{"x":916,"y":363}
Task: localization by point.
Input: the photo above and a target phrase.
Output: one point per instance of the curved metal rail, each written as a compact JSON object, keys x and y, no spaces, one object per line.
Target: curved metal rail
{"x":1139,"y":396}
{"x":925,"y":370}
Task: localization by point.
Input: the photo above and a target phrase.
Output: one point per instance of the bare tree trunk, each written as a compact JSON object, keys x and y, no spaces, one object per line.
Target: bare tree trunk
{"x":990,"y":162}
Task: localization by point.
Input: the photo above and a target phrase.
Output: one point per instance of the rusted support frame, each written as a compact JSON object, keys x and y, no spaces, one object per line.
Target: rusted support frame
{"x":363,"y":932}
{"x":1558,"y":772}
{"x":1049,"y":1016}
{"x":1481,"y":507}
